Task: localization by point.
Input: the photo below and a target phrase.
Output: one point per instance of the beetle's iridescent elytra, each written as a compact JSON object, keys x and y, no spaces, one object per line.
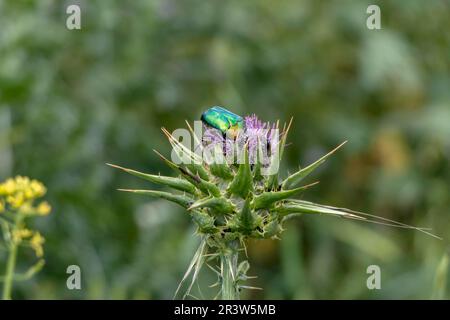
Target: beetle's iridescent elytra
{"x":223,"y":120}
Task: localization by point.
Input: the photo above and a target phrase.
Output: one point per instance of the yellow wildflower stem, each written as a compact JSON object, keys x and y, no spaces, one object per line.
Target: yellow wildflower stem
{"x":9,"y":275}
{"x":11,"y":263}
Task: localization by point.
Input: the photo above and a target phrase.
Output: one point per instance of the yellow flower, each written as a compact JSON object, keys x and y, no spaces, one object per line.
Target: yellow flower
{"x":8,"y":187}
{"x":20,"y":192}
{"x":36,"y":243}
{"x":16,"y":201}
{"x":30,"y":188}
{"x":27,"y":208}
{"x":38,"y":189}
{"x":29,"y":194}
{"x":2,"y":205}
{"x":19,"y":234}
{"x":43,"y":208}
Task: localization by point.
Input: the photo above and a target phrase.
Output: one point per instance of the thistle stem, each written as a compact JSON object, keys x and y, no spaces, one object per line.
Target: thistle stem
{"x":229,"y":263}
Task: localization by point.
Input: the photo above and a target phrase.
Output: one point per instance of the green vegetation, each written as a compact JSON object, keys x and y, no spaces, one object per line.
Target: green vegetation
{"x":73,"y":100}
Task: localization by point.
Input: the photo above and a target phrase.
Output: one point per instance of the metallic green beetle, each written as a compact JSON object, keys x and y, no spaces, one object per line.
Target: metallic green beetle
{"x":223,"y":120}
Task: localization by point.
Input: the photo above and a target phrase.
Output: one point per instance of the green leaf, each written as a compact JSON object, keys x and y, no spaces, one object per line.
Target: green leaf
{"x":221,"y":170}
{"x":272,"y":182}
{"x":295,"y":178}
{"x":175,"y":183}
{"x":205,"y":186}
{"x":180,"y":149}
{"x":242,"y":183}
{"x":194,"y":161}
{"x":204,"y":221}
{"x":266,"y":199}
{"x":247,"y":220}
{"x":167,"y":161}
{"x":272,"y":229}
{"x":198,"y":170}
{"x":208,"y":188}
{"x":294,"y":207}
{"x":182,"y":200}
{"x":217,"y":205}
{"x":257,"y":176}
{"x":217,"y":162}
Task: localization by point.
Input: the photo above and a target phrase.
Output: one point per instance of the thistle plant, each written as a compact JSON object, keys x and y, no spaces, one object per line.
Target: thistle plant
{"x":18,"y":203}
{"x":231,"y":201}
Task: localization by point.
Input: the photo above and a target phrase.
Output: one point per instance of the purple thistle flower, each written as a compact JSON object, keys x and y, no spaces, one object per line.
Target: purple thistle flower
{"x":213,"y":137}
{"x":257,"y":134}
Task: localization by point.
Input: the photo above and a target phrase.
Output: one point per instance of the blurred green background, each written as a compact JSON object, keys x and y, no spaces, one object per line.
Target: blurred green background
{"x":70,"y":101}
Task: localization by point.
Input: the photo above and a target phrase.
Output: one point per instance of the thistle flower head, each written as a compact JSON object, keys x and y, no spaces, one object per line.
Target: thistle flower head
{"x":257,"y":134}
{"x":231,"y":202}
{"x":257,"y":137}
{"x":213,"y":137}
